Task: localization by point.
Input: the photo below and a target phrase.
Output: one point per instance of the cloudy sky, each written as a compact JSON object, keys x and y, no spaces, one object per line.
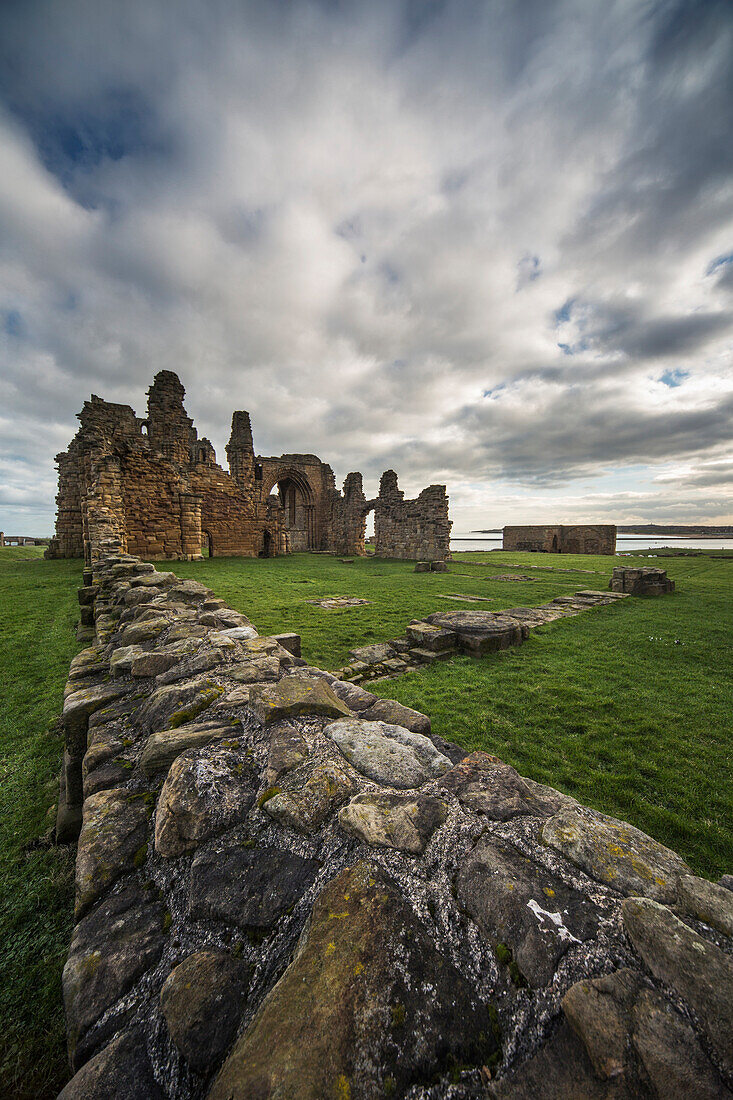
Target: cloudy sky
{"x":487,"y":244}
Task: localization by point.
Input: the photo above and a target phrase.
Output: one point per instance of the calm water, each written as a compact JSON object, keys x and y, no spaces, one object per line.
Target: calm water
{"x":464,"y":540}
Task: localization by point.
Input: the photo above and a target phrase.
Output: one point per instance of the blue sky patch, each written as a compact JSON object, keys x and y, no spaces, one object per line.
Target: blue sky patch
{"x":673,"y":378}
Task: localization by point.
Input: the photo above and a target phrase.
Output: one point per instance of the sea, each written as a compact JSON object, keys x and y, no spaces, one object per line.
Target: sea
{"x":469,"y":540}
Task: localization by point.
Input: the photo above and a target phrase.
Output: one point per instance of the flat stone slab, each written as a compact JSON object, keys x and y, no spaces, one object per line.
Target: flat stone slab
{"x":207,"y":791}
{"x":338,"y":603}
{"x":388,"y":754}
{"x":351,"y":1007}
{"x":481,"y":632}
{"x":428,"y":636}
{"x":293,"y":696}
{"x":202,"y":1000}
{"x":521,"y":904}
{"x":306,"y":796}
{"x":81,"y":704}
{"x":162,"y":748}
{"x":373,"y":654}
{"x":615,"y":853}
{"x":251,"y":888}
{"x":485,"y":785}
{"x":402,"y":821}
{"x":114,"y":830}
{"x":388,"y":710}
{"x":698,"y":970}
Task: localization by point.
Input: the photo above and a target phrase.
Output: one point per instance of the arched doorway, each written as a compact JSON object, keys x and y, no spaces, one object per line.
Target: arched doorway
{"x":297,"y":500}
{"x":207,"y":545}
{"x":266,"y":551}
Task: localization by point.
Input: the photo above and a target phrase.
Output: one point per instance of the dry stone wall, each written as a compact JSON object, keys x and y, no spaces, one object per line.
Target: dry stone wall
{"x":286,"y":888}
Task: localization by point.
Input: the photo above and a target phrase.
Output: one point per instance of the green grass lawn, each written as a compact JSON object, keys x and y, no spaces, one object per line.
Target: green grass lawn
{"x":626,"y":707}
{"x":38,"y":616}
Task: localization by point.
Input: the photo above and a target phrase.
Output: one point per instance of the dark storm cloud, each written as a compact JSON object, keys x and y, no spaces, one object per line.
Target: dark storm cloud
{"x":484,"y":244}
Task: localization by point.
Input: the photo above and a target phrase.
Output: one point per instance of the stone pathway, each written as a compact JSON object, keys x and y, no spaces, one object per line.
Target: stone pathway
{"x":445,"y":634}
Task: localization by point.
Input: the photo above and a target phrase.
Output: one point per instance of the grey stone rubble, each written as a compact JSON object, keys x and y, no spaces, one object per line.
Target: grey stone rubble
{"x":289,"y":888}
{"x":445,"y":634}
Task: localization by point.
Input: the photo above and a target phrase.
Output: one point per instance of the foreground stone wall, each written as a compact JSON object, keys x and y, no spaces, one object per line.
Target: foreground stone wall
{"x":286,"y":887}
{"x":597,"y":538}
{"x":154,"y":488}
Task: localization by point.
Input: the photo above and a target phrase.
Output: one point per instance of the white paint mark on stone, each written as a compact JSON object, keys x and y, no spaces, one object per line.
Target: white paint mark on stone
{"x":556,"y":918}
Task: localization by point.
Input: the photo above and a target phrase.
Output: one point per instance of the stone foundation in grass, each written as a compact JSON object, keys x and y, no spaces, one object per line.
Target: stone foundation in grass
{"x":286,"y":887}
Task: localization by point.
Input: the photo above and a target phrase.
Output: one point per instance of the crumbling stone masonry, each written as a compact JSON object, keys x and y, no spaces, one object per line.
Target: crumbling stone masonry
{"x":641,"y":582}
{"x":597,"y":538}
{"x":152,"y":487}
{"x":286,"y":887}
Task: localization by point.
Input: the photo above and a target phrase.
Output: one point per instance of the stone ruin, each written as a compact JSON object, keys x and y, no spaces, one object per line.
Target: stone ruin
{"x":152,"y":487}
{"x":290,"y":889}
{"x":644,"y":581}
{"x":582,"y":538}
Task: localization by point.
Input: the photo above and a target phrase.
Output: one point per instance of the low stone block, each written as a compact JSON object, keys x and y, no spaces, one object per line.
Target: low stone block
{"x":202,"y":1000}
{"x":615,"y":853}
{"x":251,"y":887}
{"x":207,"y":791}
{"x":427,"y":636}
{"x":402,"y":821}
{"x":114,"y":830}
{"x":306,"y":796}
{"x":293,"y":696}
{"x":289,"y":641}
{"x":387,"y":753}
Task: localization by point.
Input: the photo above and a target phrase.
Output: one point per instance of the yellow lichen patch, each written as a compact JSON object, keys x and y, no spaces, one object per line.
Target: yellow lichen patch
{"x":358,"y":969}
{"x":342,"y":1090}
{"x":330,"y":948}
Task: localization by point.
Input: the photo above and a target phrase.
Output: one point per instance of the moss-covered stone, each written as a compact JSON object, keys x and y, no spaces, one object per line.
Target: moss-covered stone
{"x":615,"y":853}
{"x":366,"y":1008}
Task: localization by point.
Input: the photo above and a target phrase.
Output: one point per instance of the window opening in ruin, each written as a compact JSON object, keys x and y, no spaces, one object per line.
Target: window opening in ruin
{"x":266,"y":551}
{"x":554,"y":544}
{"x":207,"y":545}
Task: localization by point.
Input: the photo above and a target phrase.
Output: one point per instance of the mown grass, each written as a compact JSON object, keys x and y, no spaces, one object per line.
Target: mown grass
{"x":626,"y":707}
{"x":38,"y":615}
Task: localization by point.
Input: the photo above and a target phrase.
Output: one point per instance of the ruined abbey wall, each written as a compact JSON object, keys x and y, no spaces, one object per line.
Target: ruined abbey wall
{"x":414,"y":529}
{"x":151,"y":487}
{"x":595,"y":538}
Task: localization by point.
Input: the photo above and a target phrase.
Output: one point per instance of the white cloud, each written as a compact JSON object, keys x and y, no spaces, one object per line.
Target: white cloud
{"x":356,"y":224}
